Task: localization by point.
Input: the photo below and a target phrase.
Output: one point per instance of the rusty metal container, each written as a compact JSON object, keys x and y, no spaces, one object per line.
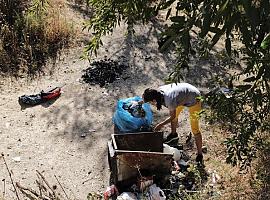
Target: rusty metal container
{"x":131,"y":154}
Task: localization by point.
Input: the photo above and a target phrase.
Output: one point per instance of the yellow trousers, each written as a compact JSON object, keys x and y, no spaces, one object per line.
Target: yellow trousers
{"x":193,"y":116}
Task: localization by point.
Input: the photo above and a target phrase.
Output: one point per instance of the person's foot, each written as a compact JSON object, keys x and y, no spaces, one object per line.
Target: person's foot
{"x":199,"y":159}
{"x":171,"y":138}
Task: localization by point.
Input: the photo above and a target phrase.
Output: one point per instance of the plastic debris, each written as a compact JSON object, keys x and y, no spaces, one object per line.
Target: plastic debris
{"x":171,"y":150}
{"x":156,"y":193}
{"x":183,"y":164}
{"x":127,"y":196}
{"x":17,"y":159}
{"x":144,"y":182}
{"x":110,"y":191}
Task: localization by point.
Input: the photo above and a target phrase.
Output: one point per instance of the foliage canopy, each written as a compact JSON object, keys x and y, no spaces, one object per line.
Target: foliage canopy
{"x":246,"y":112}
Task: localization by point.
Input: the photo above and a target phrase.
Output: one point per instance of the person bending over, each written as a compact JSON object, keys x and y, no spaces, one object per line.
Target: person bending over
{"x":176,"y":97}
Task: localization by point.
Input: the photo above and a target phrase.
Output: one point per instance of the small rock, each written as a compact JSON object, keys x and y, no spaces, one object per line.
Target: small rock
{"x":204,"y":149}
{"x":83,"y":135}
{"x":7,"y":125}
{"x":147,"y":58}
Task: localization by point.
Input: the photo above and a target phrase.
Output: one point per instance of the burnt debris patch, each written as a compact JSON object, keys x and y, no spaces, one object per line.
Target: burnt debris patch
{"x":103,"y":72}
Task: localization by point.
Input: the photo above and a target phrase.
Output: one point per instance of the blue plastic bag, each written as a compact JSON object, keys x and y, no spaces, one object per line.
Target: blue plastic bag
{"x":126,"y":122}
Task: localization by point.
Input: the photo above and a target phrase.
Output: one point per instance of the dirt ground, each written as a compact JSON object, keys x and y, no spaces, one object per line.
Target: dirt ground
{"x":68,"y":137}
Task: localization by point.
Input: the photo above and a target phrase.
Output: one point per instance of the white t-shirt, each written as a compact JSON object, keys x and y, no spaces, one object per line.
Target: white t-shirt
{"x":180,"y":94}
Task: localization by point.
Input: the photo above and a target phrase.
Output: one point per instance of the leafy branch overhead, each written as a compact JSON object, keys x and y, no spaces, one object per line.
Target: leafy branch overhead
{"x":224,"y":21}
{"x":109,"y":14}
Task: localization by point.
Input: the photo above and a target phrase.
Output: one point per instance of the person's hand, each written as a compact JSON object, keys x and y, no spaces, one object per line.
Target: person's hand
{"x":158,"y":127}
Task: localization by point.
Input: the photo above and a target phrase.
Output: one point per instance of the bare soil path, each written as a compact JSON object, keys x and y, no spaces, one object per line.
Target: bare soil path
{"x":68,"y":137}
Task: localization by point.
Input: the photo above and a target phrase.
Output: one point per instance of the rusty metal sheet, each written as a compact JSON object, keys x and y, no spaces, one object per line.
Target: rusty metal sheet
{"x":129,"y":163}
{"x":143,"y":141}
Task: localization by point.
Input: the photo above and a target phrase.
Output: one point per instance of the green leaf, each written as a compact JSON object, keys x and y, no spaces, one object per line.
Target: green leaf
{"x":167,"y":44}
{"x":266,"y":42}
{"x":223,"y":7}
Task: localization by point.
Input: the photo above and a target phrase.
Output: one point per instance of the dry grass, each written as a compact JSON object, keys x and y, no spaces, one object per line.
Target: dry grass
{"x":33,"y":37}
{"x":233,"y":183}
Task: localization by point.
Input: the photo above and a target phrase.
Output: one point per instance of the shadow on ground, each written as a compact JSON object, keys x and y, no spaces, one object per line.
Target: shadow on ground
{"x":86,"y":113}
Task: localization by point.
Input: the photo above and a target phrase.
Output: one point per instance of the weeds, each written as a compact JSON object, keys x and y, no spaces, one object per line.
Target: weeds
{"x":31,"y":32}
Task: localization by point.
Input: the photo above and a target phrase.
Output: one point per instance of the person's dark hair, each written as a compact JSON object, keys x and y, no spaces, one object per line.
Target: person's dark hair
{"x":152,"y":94}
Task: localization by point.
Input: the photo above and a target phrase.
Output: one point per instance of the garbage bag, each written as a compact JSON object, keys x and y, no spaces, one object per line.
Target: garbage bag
{"x":156,"y":193}
{"x":152,"y":193}
{"x":128,"y":117}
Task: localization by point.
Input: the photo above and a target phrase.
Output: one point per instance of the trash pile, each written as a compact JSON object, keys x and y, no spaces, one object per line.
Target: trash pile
{"x":103,"y":72}
{"x":183,"y":179}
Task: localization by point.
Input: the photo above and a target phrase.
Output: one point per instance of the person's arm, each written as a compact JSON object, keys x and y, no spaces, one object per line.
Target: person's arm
{"x":166,"y":121}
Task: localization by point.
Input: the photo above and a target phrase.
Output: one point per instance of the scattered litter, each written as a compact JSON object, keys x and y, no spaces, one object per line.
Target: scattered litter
{"x":144,"y":182}
{"x":92,"y":130}
{"x":127,"y":196}
{"x":17,"y":159}
{"x":171,"y":150}
{"x":183,"y":165}
{"x":155,"y":193}
{"x":176,"y":166}
{"x":215,"y":178}
{"x":110,"y":191}
{"x":41,"y":97}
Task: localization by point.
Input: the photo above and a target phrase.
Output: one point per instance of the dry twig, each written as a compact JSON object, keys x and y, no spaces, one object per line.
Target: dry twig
{"x":3,"y":156}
